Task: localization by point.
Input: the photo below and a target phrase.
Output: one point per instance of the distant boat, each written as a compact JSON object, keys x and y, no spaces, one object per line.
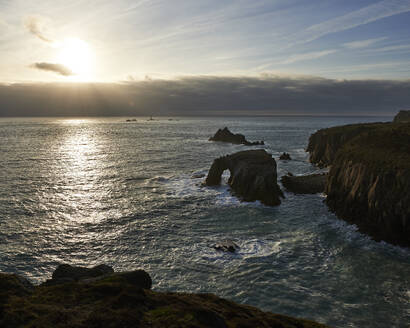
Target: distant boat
{"x":151,"y":119}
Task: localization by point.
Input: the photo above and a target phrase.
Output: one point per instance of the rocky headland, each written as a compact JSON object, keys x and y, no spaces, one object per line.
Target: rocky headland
{"x":224,"y":135}
{"x":325,"y":143}
{"x":369,"y":176}
{"x":98,"y":297}
{"x":253,"y":176}
{"x":402,"y":117}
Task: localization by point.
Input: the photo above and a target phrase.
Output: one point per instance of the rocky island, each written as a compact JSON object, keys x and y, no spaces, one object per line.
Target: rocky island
{"x":253,"y":176}
{"x":369,"y":176}
{"x":99,"y":297}
{"x":224,"y":135}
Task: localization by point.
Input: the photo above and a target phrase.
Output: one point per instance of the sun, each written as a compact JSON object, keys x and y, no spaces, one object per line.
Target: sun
{"x":76,"y":55}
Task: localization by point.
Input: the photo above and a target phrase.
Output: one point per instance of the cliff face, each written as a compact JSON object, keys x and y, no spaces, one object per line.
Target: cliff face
{"x":369,"y":180}
{"x":402,"y":117}
{"x":325,"y":143}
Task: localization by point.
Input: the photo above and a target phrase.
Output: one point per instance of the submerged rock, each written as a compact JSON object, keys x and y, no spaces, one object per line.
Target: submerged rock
{"x":305,"y":184}
{"x":285,"y":157}
{"x":224,"y":135}
{"x":253,"y":176}
{"x":227,"y":246}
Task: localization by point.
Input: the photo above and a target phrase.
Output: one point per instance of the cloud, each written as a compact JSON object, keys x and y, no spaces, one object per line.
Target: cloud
{"x":35,"y":25}
{"x":308,"y":56}
{"x":362,"y":43}
{"x":208,"y":96}
{"x":393,"y":48}
{"x":56,"y":68}
{"x":365,"y":15}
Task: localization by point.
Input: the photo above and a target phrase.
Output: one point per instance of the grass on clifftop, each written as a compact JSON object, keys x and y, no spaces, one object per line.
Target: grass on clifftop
{"x":385,"y":146}
{"x":113,"y":303}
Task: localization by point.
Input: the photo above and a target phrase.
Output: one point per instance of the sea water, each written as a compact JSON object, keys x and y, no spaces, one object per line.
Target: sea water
{"x":103,"y":190}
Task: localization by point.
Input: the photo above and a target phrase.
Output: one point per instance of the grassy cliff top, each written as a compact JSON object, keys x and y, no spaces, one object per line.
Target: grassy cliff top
{"x":114,"y":302}
{"x":402,"y":116}
{"x":350,"y":129}
{"x":384,"y":146}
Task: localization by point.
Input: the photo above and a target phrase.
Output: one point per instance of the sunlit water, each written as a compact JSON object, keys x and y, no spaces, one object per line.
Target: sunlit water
{"x":105,"y":191}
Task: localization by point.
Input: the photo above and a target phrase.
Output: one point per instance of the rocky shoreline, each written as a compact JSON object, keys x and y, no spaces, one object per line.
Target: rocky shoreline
{"x":99,"y":297}
{"x":369,"y":177}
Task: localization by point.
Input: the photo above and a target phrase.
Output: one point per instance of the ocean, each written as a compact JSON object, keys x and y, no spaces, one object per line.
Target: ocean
{"x":127,"y":194}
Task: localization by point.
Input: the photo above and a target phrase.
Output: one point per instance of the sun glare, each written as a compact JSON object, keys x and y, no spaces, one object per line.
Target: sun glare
{"x":76,"y":55}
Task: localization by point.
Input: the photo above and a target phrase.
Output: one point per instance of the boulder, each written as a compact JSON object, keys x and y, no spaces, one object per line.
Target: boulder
{"x":68,"y":273}
{"x":226,"y":246}
{"x":285,"y":157}
{"x":305,"y":184}
{"x":224,"y":135}
{"x":253,"y":176}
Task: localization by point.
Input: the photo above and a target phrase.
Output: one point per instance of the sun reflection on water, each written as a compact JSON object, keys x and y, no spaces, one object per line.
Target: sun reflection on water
{"x":81,"y":170}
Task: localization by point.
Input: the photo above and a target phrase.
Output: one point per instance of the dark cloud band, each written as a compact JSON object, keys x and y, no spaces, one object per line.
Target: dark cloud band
{"x":208,"y":95}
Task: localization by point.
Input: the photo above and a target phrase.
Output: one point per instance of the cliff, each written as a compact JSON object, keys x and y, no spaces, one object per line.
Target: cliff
{"x":369,"y":178}
{"x":325,"y":143}
{"x":253,"y":176}
{"x":119,"y":300}
{"x":402,"y":117}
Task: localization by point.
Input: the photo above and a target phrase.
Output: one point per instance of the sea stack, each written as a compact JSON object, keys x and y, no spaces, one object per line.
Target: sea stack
{"x":253,"y":176}
{"x":224,"y":135}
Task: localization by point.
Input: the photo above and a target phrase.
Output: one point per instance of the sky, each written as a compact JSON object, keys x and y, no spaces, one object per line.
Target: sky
{"x":137,"y":42}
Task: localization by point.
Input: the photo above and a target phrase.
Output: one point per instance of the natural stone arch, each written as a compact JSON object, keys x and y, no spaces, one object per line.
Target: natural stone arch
{"x":253,"y":175}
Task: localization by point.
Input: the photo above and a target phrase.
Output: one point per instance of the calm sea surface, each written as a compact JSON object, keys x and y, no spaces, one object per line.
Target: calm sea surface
{"x":94,"y":191}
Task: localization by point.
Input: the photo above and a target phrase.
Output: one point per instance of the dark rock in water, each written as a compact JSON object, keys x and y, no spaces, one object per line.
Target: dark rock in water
{"x":305,"y":184}
{"x":402,"y":117}
{"x":285,"y":157}
{"x":227,"y":246}
{"x":198,"y":175}
{"x":224,"y":135}
{"x":66,"y":273}
{"x":253,"y":176}
{"x":118,"y":301}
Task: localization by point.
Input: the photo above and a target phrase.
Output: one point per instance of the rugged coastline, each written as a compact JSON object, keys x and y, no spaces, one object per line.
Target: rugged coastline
{"x":98,"y":297}
{"x":369,"y":177}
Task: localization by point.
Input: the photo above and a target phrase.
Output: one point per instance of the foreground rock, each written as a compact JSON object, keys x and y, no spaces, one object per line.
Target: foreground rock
{"x":305,"y":184}
{"x":402,"y":117}
{"x":113,"y":301}
{"x":369,"y":178}
{"x":224,"y":135}
{"x":253,"y":176}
